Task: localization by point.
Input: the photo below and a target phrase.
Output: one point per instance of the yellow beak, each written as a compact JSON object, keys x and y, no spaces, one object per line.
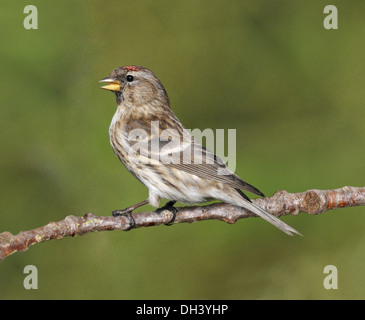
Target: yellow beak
{"x":113,"y":84}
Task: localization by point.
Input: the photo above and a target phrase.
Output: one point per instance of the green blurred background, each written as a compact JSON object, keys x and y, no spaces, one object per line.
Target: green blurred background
{"x":293,"y":90}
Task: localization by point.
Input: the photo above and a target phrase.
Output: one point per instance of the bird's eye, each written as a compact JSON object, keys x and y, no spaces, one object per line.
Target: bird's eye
{"x":130,"y":78}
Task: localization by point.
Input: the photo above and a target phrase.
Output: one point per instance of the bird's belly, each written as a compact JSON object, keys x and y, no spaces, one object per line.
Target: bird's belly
{"x":175,"y":185}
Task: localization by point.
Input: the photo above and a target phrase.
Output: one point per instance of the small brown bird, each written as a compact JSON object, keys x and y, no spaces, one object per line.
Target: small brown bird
{"x":154,"y":146}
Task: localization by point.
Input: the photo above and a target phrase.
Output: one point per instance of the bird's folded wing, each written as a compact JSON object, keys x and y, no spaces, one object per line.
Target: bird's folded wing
{"x":205,"y":164}
{"x":178,"y":149}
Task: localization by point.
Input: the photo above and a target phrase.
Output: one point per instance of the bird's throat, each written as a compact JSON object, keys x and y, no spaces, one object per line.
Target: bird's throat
{"x":119,"y":97}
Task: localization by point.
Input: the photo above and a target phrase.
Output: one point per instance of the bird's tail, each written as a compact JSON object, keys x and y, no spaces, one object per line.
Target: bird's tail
{"x":267,"y":216}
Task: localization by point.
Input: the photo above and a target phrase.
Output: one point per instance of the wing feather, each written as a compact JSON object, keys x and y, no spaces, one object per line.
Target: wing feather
{"x":177,"y":148}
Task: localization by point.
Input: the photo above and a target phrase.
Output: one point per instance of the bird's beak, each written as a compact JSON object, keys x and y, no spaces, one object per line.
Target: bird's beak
{"x":113,"y":84}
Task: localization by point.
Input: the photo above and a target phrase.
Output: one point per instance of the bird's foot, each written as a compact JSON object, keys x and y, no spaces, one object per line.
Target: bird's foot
{"x":126,"y":213}
{"x":170,"y":207}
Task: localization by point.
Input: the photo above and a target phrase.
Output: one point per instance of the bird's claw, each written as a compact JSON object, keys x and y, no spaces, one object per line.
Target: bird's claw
{"x":170,"y":207}
{"x":126,"y":213}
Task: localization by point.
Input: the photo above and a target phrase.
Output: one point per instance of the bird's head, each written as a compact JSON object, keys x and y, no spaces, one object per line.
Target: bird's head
{"x":136,"y":86}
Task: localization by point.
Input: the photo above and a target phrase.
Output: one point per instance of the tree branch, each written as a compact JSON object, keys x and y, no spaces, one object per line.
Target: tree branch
{"x":281,"y":203}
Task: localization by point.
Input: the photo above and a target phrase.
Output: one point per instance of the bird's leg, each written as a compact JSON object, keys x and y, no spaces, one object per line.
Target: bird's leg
{"x":128,"y":212}
{"x":169,"y":206}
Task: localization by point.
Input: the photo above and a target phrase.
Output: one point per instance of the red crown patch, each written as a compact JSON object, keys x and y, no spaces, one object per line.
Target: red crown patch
{"x":132,"y":68}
